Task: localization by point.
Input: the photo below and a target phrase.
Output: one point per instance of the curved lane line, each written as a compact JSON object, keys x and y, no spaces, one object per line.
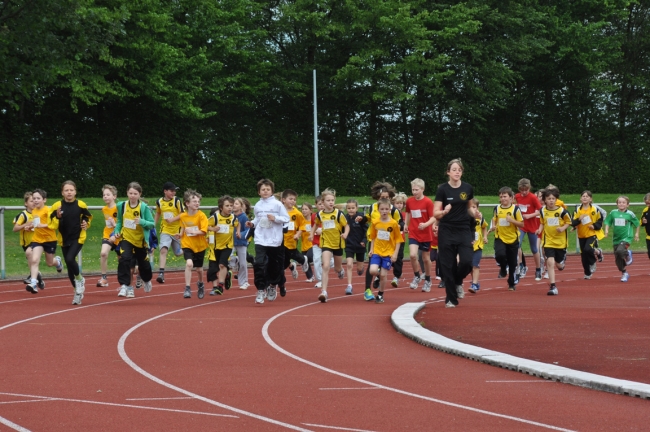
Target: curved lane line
{"x":265,"y":333}
{"x":135,"y":367}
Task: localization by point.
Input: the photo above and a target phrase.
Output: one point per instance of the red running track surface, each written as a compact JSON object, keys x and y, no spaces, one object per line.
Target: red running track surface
{"x":161,"y":362}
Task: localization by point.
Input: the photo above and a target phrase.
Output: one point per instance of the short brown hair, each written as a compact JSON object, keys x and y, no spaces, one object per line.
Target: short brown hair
{"x":265,"y":182}
{"x":506,"y":190}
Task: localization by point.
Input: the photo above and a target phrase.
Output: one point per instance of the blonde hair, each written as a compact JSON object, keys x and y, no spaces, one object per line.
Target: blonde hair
{"x":189,"y":194}
{"x":627,"y":200}
{"x":418,"y":182}
{"x":401,"y":196}
{"x":328,"y":191}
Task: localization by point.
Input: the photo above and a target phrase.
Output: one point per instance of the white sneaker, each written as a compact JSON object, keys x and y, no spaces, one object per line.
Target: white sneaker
{"x":394,"y":282}
{"x":311,"y":279}
{"x":592,"y":268}
{"x":122,"y":292}
{"x":323,"y":297}
{"x":130,"y":293}
{"x":450,"y":305}
{"x":138,"y":282}
{"x":244,"y":286}
{"x":305,"y":265}
{"x":427,"y":286}
{"x":76,"y":300}
{"x":260,"y":296}
{"x":460,"y":291}
{"x":271,"y":293}
{"x":625,"y":277}
{"x":294,"y":271}
{"x":587,"y":277}
{"x":318,"y":285}
{"x":147,"y":286}
{"x":414,"y":284}
{"x":545,"y":276}
{"x":629,"y":258}
{"x":59,"y":264}
{"x":79,"y":286}
{"x":438,"y":278}
{"x":342,"y":274}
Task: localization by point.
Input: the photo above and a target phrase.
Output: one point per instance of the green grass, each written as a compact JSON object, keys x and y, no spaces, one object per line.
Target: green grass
{"x":16,"y":265}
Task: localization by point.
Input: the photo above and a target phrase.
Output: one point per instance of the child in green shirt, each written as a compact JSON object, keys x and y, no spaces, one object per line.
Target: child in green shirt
{"x":623,"y":221}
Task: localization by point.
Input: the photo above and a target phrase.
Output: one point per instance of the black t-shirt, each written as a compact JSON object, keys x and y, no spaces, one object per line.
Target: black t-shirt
{"x":357,"y":234}
{"x":70,"y":221}
{"x":458,"y":198}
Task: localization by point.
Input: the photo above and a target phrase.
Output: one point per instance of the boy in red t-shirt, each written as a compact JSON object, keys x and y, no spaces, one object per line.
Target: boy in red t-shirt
{"x":419,"y":220}
{"x":530,"y":207}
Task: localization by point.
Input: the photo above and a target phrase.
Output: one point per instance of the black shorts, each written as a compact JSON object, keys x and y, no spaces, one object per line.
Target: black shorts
{"x":335,"y":252}
{"x":48,"y":247}
{"x":196,"y":257}
{"x":557,"y":254}
{"x":221,"y":256}
{"x":358,"y":253}
{"x":25,"y":248}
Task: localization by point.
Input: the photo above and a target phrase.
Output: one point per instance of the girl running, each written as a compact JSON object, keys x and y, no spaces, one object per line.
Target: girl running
{"x":44,"y":240}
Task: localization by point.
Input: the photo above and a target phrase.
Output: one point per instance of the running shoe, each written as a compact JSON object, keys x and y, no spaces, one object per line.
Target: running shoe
{"x":516,"y":279}
{"x":474,"y":288}
{"x":512,"y":288}
{"x":538,"y":275}
{"x":31,"y":287}
{"x":600,"y":254}
{"x":305,"y":265}
{"x":629,"y":258}
{"x":27,"y":280}
{"x":450,"y":305}
{"x":187,"y":293}
{"x":394,"y":282}
{"x":76,"y":300}
{"x":348,"y":290}
{"x":160,"y":278}
{"x":102,"y":283}
{"x":228,"y":283}
{"x":342,"y":274}
{"x":80,"y":286}
{"x":283,"y":291}
{"x":375,"y":283}
{"x":460,"y":291}
{"x":552,"y":291}
{"x":427,"y":286}
{"x":271,"y":293}
{"x":130,"y":293}
{"x":311,"y":279}
{"x":148,"y":287}
{"x":138,"y":282}
{"x":522,"y":271}
{"x":592,"y":268}
{"x":368,"y":295}
{"x":323,"y":297}
{"x":415,"y":283}
{"x":625,"y":277}
{"x":259,"y":299}
{"x":587,"y":277}
{"x":59,"y":264}
{"x":379,"y":299}
{"x":122,"y":292}
{"x":39,"y":281}
{"x":201,"y":290}
{"x":502,"y":273}
{"x":360,"y":272}
{"x":294,"y":271}
{"x":546,"y":273}
{"x":441,"y":284}
{"x":217,"y":291}
{"x":319,"y":284}
{"x":244,"y":286}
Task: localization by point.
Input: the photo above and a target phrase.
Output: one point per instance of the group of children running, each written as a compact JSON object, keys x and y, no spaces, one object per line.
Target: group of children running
{"x":288,"y":238}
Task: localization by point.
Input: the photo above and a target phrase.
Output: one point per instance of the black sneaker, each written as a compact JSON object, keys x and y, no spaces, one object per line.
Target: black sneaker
{"x":187,"y":293}
{"x":502,"y":273}
{"x":379,"y":299}
{"x":27,"y":280}
{"x":40,"y":281}
{"x":201,"y":292}
{"x":375,"y":283}
{"x":441,"y":284}
{"x":216,"y":291}
{"x":283,"y":291}
{"x":600,"y":255}
{"x":512,"y":288}
{"x":160,"y":278}
{"x":31,"y":288}
{"x":228,"y":280}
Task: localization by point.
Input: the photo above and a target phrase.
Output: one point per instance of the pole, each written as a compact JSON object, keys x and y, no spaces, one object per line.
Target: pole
{"x":316,"y":185}
{"x":3,"y":274}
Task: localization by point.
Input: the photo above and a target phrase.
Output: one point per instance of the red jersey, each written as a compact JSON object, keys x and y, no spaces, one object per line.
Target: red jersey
{"x":316,"y":241}
{"x":420,"y":211}
{"x":529,"y":204}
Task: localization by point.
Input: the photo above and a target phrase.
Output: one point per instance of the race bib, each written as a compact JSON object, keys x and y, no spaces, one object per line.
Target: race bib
{"x":223,"y":228}
{"x":167,"y":215}
{"x":191,"y":231}
{"x":586,"y":220}
{"x":291,"y":226}
{"x":110,"y":223}
{"x":211,"y":238}
{"x":130,"y":223}
{"x":504,"y":222}
{"x":308,"y":228}
{"x":329,"y":224}
{"x":383,"y":235}
{"x":475,"y":236}
{"x":37,"y":221}
{"x":523,"y":208}
{"x":265,"y":223}
{"x":553,"y":221}
{"x":619,"y":222}
{"x":416,"y":214}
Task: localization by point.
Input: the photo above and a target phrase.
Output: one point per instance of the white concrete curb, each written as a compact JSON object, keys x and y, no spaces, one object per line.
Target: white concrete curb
{"x":403,"y":320}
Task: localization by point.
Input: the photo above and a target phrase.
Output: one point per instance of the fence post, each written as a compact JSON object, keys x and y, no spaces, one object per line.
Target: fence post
{"x":3,"y":274}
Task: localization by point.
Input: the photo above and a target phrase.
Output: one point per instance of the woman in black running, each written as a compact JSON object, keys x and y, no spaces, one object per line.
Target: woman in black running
{"x":455,"y":231}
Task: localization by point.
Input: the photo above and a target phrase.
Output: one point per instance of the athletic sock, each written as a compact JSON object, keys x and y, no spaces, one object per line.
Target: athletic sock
{"x":417,"y":274}
{"x":427,"y":278}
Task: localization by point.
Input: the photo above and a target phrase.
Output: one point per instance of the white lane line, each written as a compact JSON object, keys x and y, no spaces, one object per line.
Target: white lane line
{"x":169,"y":398}
{"x":135,"y":367}
{"x":24,"y":401}
{"x":47,"y":398}
{"x":351,"y":388}
{"x":35,"y":298}
{"x":13,"y":425}
{"x":337,"y":428}
{"x":522,"y":381}
{"x":265,"y":334}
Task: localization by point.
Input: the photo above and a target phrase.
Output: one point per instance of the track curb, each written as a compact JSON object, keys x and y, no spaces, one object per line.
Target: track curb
{"x":403,"y":319}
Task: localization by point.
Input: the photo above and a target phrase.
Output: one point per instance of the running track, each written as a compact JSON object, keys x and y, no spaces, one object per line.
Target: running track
{"x":160,"y":362}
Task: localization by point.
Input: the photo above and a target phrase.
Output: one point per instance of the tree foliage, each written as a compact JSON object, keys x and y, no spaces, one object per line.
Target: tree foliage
{"x":217,"y":94}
